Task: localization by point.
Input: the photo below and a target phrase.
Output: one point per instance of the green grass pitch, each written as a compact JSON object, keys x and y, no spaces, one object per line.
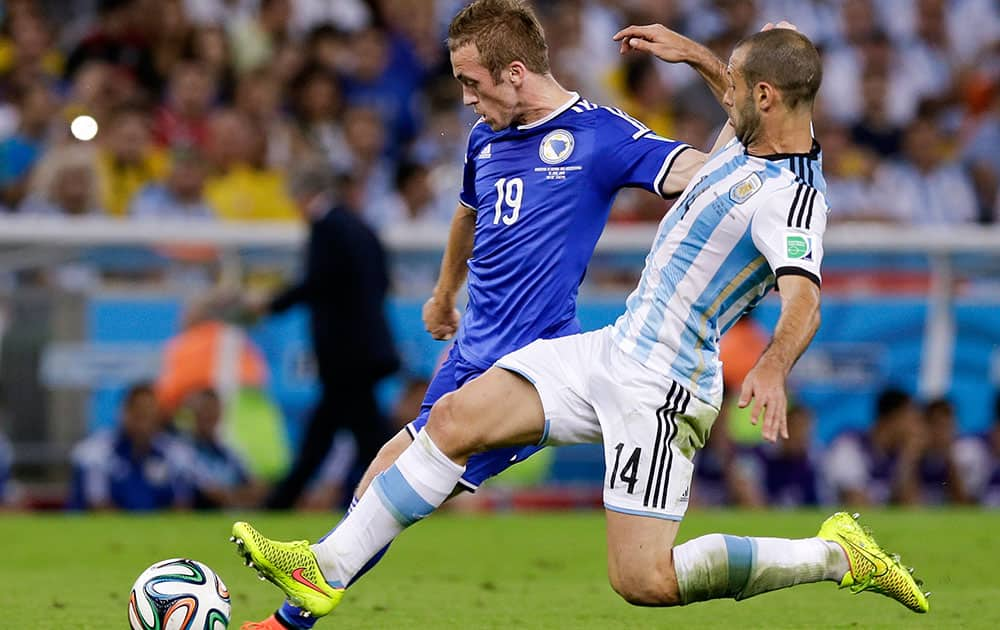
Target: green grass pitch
{"x":502,"y":571}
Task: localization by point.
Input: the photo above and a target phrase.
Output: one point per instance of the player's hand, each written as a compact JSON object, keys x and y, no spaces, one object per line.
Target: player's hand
{"x":655,"y":39}
{"x":781,"y":24}
{"x":765,"y":386}
{"x":440,"y":318}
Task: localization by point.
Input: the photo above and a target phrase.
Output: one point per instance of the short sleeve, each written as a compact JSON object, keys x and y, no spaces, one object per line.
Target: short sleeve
{"x":788,"y":230}
{"x":632,"y":156}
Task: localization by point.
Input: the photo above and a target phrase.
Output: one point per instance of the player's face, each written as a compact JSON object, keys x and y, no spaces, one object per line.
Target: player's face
{"x":738,"y":98}
{"x":496,"y":102}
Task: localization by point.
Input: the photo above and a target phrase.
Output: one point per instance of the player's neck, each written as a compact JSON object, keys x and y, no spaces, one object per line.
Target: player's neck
{"x":541,"y":97}
{"x":788,"y":134}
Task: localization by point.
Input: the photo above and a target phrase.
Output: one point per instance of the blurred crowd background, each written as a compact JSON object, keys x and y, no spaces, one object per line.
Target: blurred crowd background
{"x":203,"y":106}
{"x":204,"y":110}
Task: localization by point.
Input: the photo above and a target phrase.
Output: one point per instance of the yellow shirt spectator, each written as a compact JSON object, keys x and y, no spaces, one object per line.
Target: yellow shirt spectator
{"x":120,"y":180}
{"x":248,"y":194}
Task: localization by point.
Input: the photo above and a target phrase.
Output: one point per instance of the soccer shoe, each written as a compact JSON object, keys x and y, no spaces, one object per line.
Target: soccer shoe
{"x":271,"y":623}
{"x":291,"y":566}
{"x":871,"y":568}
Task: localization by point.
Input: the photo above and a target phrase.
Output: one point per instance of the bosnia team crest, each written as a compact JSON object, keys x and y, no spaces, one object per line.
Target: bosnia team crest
{"x":556,"y":147}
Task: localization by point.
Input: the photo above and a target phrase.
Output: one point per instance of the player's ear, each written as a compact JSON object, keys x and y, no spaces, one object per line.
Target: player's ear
{"x":765,"y":96}
{"x":515,"y":73}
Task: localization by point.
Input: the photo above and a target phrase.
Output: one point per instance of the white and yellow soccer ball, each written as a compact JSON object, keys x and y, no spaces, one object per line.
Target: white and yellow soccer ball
{"x":179,"y":594}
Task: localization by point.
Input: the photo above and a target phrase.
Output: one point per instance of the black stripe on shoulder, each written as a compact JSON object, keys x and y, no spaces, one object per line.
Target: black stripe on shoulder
{"x":795,"y":202}
{"x":809,"y":211}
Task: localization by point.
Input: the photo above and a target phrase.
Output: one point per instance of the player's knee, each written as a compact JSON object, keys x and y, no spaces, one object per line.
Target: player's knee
{"x":452,"y":427}
{"x":645,"y":587}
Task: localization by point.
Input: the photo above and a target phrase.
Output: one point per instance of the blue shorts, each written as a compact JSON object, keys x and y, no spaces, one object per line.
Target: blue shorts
{"x":454,"y":373}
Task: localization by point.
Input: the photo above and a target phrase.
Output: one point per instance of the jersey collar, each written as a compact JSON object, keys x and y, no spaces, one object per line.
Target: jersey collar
{"x":777,"y":157}
{"x":573,"y":98}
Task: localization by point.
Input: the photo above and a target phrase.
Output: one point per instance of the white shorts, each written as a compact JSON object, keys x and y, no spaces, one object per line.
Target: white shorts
{"x":651,"y":426}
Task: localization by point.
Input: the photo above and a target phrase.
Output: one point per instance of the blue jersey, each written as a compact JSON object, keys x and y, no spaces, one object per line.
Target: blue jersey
{"x":107,"y":471}
{"x":542,"y":193}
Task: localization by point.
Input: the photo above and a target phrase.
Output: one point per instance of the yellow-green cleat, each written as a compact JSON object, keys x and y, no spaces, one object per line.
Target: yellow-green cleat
{"x":291,"y":566}
{"x":871,"y":568}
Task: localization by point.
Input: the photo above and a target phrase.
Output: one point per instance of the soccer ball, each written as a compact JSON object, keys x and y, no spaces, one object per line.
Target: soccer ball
{"x":178,"y":594}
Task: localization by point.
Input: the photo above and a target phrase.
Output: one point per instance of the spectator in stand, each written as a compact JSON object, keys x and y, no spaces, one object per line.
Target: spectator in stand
{"x":258,"y":97}
{"x":940,"y":480}
{"x":180,"y":195}
{"x":183,"y":118}
{"x":882,"y":465}
{"x":788,"y":469}
{"x":874,"y":130}
{"x":240,"y":189}
{"x":926,"y":188}
{"x":169,"y":30}
{"x":255,"y":38}
{"x":366,"y":138}
{"x":96,"y":92}
{"x":385,"y":76}
{"x":65,"y":182}
{"x":27,"y":51}
{"x":316,"y":109}
{"x":977,"y":459}
{"x":20,"y":152}
{"x":116,"y":39}
{"x":721,"y":472}
{"x":221,"y":479}
{"x":209,"y":47}
{"x":127,"y":159}
{"x":136,"y":466}
{"x":415,"y":203}
{"x":849,"y":171}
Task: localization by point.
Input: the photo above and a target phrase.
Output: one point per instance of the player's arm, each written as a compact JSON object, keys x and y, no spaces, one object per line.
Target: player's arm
{"x":765,"y":384}
{"x":672,"y":47}
{"x":440,"y":315}
{"x":682,"y":171}
{"x":787,"y":229}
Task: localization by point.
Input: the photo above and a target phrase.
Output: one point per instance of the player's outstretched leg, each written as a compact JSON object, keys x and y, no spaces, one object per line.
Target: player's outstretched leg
{"x":313,"y":577}
{"x":497,"y":409}
{"x":721,"y":566}
{"x":871,"y":567}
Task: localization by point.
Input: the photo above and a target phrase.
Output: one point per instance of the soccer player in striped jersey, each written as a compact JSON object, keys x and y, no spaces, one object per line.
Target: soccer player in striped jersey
{"x":649,"y":387}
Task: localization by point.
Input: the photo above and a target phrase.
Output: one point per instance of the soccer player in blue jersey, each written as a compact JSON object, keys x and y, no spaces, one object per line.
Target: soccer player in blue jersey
{"x":650,"y":386}
{"x":543,"y":166}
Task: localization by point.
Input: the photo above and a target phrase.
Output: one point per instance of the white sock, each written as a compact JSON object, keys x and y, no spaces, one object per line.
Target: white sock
{"x":420,"y":481}
{"x":717,"y":565}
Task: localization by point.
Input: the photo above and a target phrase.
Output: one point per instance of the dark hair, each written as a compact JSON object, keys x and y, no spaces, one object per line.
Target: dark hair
{"x":785,"y":59}
{"x":135,"y":391}
{"x":939,"y":405}
{"x":889,"y":401}
{"x":503,"y":31}
{"x":406,"y":171}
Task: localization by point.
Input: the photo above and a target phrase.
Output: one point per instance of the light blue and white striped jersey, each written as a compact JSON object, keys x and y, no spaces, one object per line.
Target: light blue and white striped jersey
{"x":741,"y":222}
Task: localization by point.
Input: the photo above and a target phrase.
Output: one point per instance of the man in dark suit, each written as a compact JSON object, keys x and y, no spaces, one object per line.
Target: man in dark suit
{"x":344,"y":286}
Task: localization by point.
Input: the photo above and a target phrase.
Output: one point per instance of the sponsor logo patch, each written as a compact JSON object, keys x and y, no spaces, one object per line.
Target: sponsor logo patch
{"x":798,"y":247}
